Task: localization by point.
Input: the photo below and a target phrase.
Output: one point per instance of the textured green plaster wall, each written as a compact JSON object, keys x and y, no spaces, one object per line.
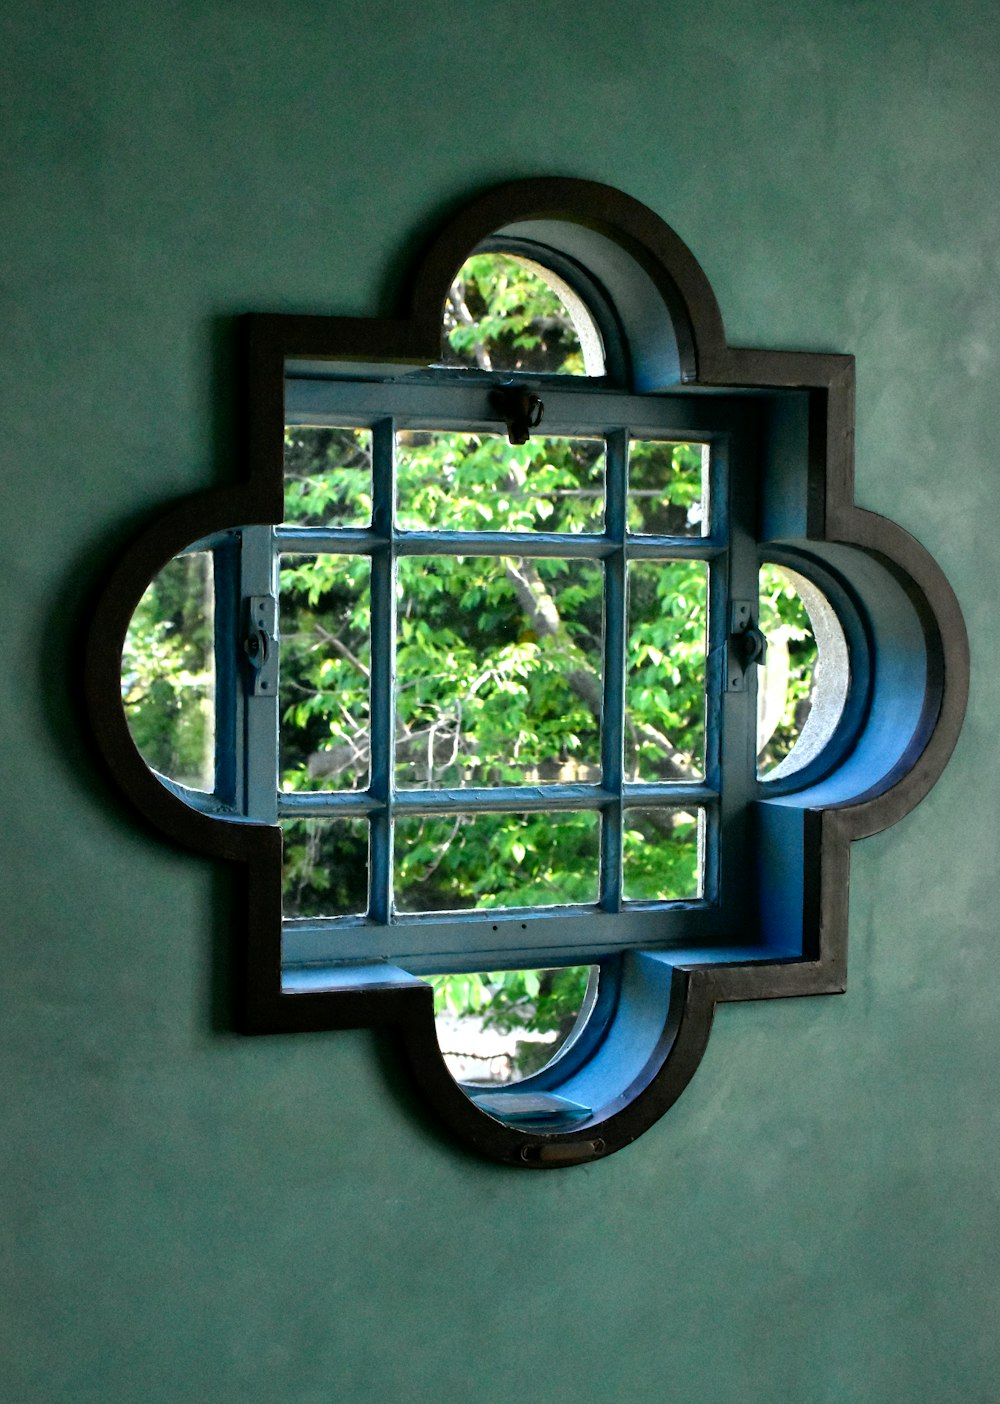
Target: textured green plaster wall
{"x":189,"y":1216}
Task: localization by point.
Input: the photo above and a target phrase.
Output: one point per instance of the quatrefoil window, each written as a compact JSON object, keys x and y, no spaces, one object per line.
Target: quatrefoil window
{"x":538,"y":675}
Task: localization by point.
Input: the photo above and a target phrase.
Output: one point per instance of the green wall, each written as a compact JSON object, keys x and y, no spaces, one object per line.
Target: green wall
{"x":191,"y":1216}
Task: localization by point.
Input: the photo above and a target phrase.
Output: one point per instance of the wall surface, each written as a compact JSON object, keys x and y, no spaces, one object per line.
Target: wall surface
{"x":193,"y":1216}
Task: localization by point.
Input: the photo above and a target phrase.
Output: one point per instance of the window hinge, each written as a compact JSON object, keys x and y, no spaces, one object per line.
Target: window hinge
{"x":260,"y":644}
{"x":746,"y":645}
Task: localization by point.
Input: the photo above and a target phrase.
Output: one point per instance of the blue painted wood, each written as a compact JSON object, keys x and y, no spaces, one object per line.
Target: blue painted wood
{"x":615,"y":642}
{"x":503,"y":938}
{"x":258,"y":576}
{"x":461,"y":401}
{"x":734,"y":504}
{"x":328,"y":804}
{"x":383,"y":667}
{"x":304,"y":979}
{"x":358,"y":542}
{"x":510,"y":799}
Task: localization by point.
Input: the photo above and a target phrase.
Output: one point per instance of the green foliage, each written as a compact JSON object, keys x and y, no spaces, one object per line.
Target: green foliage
{"x":667,"y":489}
{"x":496,"y":860}
{"x":480,"y":482}
{"x":665,"y":682}
{"x":325,"y":867}
{"x":544,"y":1002}
{"x":167,"y":672}
{"x":328,"y":477}
{"x":660,"y":855}
{"x":784,"y":620}
{"x":500,"y":315}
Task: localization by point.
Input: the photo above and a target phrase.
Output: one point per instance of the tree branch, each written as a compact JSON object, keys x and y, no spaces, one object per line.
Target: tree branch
{"x":456,"y":297}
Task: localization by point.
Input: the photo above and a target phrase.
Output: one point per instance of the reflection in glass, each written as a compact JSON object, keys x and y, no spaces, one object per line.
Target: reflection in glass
{"x":481,"y":482}
{"x":324,"y":867}
{"x":328,"y":476}
{"x":168,"y":672}
{"x":662,"y":854}
{"x":324,"y":677}
{"x":803,"y":686}
{"x":498,"y":671}
{"x":461,"y":862}
{"x":668,"y":488}
{"x":665,"y":678}
{"x":501,"y":1026}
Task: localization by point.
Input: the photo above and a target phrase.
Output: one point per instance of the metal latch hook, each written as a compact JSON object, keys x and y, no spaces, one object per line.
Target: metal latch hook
{"x":747,"y":645}
{"x":260,"y":644}
{"x":520,"y":409}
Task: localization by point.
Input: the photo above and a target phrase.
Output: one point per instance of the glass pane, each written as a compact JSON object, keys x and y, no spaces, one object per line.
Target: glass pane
{"x":501,"y":1026}
{"x":504,"y":312}
{"x":662,"y":854}
{"x":481,"y":482}
{"x":328,"y":476}
{"x":668,"y":488}
{"x":459,"y":862}
{"x":325,"y":662}
{"x":324,"y":867}
{"x":665,"y":678}
{"x":168,"y":672}
{"x":498,"y":671}
{"x":803,"y":686}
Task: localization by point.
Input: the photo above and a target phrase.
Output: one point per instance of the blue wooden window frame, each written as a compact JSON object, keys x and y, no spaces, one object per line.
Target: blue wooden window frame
{"x":521,"y":937}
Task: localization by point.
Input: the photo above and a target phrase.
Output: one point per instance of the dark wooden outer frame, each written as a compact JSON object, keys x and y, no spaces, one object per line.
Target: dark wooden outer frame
{"x":406,"y":1004}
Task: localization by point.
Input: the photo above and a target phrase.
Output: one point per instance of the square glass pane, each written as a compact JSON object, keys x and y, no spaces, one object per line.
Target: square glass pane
{"x":328,"y":476}
{"x":498,"y":671}
{"x":462,"y":862}
{"x":323,"y":690}
{"x":668,"y":488}
{"x":662,"y":854}
{"x":168,"y":672}
{"x":481,"y":482}
{"x":324,"y":867}
{"x":665,"y":670}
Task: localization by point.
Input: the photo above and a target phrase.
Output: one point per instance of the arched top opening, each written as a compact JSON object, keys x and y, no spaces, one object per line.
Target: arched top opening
{"x":632,"y":272}
{"x":507,"y":312}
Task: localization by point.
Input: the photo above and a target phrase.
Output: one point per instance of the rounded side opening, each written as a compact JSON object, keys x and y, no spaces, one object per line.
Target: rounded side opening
{"x":803,"y":686}
{"x":497,"y":1028}
{"x":168,"y":672}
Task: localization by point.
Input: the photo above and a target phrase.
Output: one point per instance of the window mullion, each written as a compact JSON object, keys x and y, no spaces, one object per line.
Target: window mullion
{"x":738,"y":710}
{"x":383,"y":667}
{"x":260,"y":708}
{"x":615,"y":639}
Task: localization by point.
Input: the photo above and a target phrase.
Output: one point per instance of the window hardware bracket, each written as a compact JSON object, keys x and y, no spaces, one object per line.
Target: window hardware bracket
{"x":747,"y":645}
{"x":520,"y":409}
{"x":260,"y":645}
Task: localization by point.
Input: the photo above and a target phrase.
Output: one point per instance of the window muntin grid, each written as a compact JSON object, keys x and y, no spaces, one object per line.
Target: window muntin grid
{"x":449,"y":939}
